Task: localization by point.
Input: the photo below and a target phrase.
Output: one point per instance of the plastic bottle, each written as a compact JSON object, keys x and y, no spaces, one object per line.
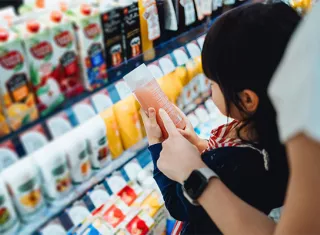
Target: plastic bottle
{"x":149,"y":94}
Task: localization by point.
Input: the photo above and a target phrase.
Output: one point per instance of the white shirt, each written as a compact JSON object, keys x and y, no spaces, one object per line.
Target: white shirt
{"x":295,"y":87}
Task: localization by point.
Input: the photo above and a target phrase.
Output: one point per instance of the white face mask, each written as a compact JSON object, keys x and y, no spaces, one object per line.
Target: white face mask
{"x":295,"y":88}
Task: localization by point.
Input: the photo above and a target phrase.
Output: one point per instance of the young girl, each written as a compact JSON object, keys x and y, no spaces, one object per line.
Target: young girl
{"x":240,"y":54}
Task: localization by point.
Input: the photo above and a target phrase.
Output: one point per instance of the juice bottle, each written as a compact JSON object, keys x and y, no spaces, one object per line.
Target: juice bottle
{"x":127,"y":117}
{"x":18,"y":100}
{"x":25,"y":187}
{"x":33,"y":139}
{"x":90,"y":38}
{"x":9,"y":222}
{"x":111,"y":20}
{"x":54,"y":171}
{"x":149,"y":94}
{"x":64,"y":43}
{"x":113,"y":133}
{"x":8,"y":155}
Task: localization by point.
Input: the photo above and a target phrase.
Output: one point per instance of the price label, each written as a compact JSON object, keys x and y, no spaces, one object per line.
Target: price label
{"x":166,"y":64}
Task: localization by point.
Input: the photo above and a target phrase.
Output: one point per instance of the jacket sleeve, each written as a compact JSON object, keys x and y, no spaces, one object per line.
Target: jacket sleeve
{"x":171,"y":190}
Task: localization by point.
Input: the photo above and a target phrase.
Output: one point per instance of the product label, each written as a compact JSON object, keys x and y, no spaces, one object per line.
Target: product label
{"x":189,"y":12}
{"x":152,"y":18}
{"x":111,"y":25}
{"x":171,"y":22}
{"x":99,"y":196}
{"x":83,"y":111}
{"x":131,"y":26}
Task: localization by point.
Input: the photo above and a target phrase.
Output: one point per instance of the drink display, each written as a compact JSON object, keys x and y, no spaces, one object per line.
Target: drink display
{"x":18,"y":99}
{"x":149,"y":94}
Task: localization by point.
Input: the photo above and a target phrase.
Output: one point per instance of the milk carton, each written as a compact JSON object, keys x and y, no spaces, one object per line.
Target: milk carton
{"x":89,"y":32}
{"x":18,"y":100}
{"x":44,"y":72}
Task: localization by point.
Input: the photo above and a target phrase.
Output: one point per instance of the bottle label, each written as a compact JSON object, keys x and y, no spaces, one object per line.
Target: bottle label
{"x":171,"y":22}
{"x":199,"y":9}
{"x":152,"y":18}
{"x":189,"y":11}
{"x":207,"y":7}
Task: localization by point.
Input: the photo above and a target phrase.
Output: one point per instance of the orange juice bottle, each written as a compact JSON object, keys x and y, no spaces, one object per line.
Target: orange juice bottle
{"x":149,"y":94}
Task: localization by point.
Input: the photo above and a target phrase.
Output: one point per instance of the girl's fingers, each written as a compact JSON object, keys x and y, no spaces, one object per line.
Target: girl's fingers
{"x":144,"y":116}
{"x":152,"y":115}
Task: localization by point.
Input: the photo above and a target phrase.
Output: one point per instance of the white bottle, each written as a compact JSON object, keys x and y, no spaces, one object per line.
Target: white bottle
{"x":96,"y":134}
{"x":9,"y":222}
{"x":52,"y":165}
{"x":24,"y":184}
{"x":75,"y":146}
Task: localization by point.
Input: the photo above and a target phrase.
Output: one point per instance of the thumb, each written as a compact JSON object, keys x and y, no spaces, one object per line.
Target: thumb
{"x":183,"y":133}
{"x":168,"y":124}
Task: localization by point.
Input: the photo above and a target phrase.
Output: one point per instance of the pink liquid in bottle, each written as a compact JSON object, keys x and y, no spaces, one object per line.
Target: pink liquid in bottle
{"x":149,"y":94}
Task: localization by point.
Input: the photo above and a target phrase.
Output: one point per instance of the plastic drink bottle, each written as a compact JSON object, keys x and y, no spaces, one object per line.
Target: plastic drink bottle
{"x":149,"y":94}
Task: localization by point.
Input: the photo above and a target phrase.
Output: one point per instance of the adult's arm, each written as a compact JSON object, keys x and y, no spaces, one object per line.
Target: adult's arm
{"x":169,"y":189}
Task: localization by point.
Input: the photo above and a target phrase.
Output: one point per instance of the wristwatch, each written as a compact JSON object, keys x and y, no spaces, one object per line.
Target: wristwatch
{"x":196,"y":183}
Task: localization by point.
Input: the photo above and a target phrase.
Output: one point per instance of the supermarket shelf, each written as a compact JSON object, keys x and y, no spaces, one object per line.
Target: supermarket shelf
{"x":80,"y":190}
{"x":117,"y":73}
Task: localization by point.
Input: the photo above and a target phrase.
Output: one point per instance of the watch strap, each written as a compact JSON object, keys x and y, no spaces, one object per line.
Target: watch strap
{"x":208,"y":173}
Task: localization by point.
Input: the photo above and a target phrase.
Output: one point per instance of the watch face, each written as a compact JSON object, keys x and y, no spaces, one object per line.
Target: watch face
{"x":195,"y":185}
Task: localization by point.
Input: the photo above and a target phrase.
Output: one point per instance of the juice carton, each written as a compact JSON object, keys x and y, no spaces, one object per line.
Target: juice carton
{"x":90,"y":38}
{"x":54,"y":171}
{"x":59,"y":124}
{"x":113,"y":132}
{"x":78,"y":157}
{"x":140,"y":223}
{"x":78,"y":213}
{"x":82,"y":111}
{"x":9,"y":222}
{"x":4,"y":127}
{"x":65,"y":47}
{"x":101,"y":101}
{"x":18,"y":100}
{"x":116,"y":182}
{"x":131,"y":29}
{"x":25,"y":187}
{"x":132,"y":169}
{"x":98,"y":195}
{"x":96,"y":135}
{"x":43,"y":63}
{"x":33,"y":139}
{"x":8,"y":155}
{"x":130,"y":193}
{"x":149,"y":94}
{"x":111,"y":20}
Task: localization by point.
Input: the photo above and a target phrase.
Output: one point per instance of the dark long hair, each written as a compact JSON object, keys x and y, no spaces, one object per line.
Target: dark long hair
{"x":241,"y":51}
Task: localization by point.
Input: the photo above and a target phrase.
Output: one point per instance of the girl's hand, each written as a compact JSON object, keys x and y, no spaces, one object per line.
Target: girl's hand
{"x":190,"y":134}
{"x":153,"y":130}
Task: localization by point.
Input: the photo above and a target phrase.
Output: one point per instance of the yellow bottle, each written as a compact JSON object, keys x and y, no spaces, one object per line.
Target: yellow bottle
{"x":113,"y":133}
{"x":128,"y":120}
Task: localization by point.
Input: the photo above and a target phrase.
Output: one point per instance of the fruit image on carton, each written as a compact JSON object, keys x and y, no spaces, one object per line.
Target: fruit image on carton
{"x":65,"y":47}
{"x":43,"y":64}
{"x":18,"y":100}
{"x":89,"y":32}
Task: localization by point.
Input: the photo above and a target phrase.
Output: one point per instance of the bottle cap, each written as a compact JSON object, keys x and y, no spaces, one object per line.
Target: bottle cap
{"x":138,"y":77}
{"x":85,"y":9}
{"x":33,"y":26}
{"x":4,"y":35}
{"x":56,"y":16}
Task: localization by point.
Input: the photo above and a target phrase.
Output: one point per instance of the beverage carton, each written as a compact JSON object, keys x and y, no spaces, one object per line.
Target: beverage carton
{"x":89,"y":32}
{"x":8,"y":155}
{"x":18,"y":100}
{"x":33,"y":139}
{"x":43,"y":61}
{"x":59,"y":124}
{"x":65,"y":48}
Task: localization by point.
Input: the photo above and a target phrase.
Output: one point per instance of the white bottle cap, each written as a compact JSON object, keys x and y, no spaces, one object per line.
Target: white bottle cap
{"x":138,"y":77}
